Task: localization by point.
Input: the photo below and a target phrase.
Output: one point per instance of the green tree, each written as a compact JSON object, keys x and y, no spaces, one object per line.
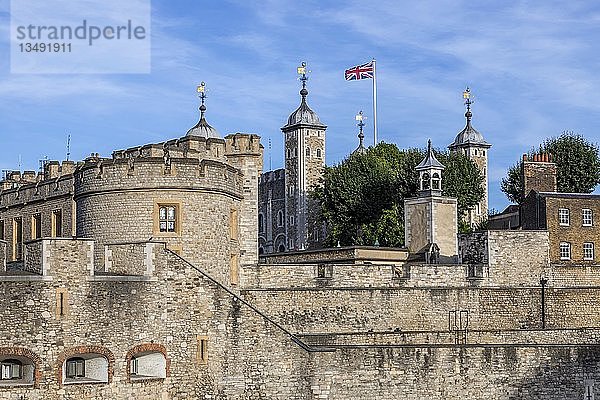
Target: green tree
{"x":362,"y":198}
{"x":577,"y":165}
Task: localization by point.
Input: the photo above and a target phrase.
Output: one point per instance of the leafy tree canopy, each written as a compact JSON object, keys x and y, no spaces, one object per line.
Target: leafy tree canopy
{"x":577,"y":165}
{"x":362,"y":198}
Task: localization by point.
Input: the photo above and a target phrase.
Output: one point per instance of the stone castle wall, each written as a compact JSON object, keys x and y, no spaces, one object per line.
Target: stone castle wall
{"x":114,"y":314}
{"x":43,"y":199}
{"x":312,"y":310}
{"x":249,"y":356}
{"x":271,"y":204}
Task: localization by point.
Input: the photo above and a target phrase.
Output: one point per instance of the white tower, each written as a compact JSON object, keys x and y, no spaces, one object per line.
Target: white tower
{"x":304,"y":162}
{"x":472,"y":144}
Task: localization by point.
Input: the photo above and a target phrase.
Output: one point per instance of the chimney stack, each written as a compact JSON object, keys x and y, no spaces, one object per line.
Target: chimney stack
{"x":539,"y":173}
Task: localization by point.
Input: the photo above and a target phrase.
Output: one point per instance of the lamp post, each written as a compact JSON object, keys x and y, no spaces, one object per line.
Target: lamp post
{"x":543,"y":283}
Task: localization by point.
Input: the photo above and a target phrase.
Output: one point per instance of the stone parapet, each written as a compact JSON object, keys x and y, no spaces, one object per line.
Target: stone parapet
{"x":353,"y":254}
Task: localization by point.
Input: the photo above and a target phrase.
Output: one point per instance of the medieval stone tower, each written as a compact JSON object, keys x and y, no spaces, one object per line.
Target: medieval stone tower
{"x":471,"y":143}
{"x":304,"y":143}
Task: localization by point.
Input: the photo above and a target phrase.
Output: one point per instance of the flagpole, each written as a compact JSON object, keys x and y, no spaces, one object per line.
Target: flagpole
{"x":374,"y":104}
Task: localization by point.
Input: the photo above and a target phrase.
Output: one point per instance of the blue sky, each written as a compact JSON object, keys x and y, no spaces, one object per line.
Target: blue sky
{"x":532,"y":66}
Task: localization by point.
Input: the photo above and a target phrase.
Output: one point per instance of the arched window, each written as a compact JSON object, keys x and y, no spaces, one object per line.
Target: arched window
{"x":17,"y":366}
{"x":261,"y":226}
{"x":308,"y":152}
{"x":425,"y":181}
{"x":148,"y":365}
{"x":319,"y":153}
{"x":281,"y":248}
{"x":435,"y":181}
{"x":280,"y":218}
{"x":85,"y":368}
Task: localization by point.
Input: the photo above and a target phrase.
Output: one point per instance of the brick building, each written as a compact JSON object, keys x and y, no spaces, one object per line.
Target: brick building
{"x":568,"y":217}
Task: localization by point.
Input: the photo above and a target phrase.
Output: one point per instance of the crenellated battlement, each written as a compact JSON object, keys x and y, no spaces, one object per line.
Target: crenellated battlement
{"x":186,"y":147}
{"x":243,"y":144}
{"x":126,"y":174}
{"x":40,"y":190}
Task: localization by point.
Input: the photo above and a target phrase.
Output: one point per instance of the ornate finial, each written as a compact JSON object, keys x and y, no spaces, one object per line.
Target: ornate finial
{"x":429,"y":146}
{"x":201,"y":89}
{"x":302,"y":72}
{"x":360,"y":118}
{"x":468,"y":101}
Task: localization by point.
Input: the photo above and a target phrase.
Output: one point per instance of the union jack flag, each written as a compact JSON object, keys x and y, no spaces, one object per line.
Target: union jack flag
{"x":364,"y":71}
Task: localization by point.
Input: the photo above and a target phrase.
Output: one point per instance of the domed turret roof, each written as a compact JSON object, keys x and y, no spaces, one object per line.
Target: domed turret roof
{"x":203,"y":128}
{"x":469,"y":136}
{"x":303,"y":114}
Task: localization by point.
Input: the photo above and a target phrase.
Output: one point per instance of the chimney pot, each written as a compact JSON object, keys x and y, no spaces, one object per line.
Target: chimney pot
{"x":524,"y":157}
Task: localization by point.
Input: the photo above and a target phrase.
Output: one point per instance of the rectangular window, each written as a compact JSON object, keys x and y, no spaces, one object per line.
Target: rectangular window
{"x":1,"y":230}
{"x":588,"y":251}
{"x":565,"y":251}
{"x":17,"y":239}
{"x":292,"y":220}
{"x":62,"y":302}
{"x":202,"y":353}
{"x":587,"y":217}
{"x":36,"y":226}
{"x":563,"y":217}
{"x":167,"y":218}
{"x":133,"y":366}
{"x":57,"y":223}
{"x":233,"y":224}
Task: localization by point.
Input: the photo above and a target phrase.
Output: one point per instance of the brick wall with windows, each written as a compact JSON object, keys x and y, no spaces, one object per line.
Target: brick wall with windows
{"x":571,"y":220}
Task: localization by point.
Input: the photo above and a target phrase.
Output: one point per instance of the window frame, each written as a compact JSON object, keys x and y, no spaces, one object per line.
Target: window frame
{"x":36,"y":226}
{"x":77,"y":362}
{"x":9,"y":365}
{"x":564,"y":212}
{"x":590,"y":213}
{"x":17,"y":239}
{"x":261,"y":222}
{"x":567,"y":246}
{"x":178,"y":222}
{"x":57,"y":223}
{"x":589,"y":258}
